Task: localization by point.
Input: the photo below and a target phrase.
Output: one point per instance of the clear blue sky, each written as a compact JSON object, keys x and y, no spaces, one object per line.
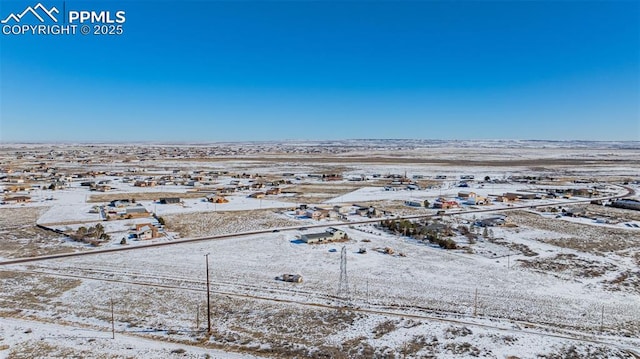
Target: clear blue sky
{"x":271,"y":70}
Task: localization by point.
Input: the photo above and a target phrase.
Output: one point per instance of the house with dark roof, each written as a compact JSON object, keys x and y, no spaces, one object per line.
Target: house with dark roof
{"x":170,"y":200}
{"x":331,"y":235}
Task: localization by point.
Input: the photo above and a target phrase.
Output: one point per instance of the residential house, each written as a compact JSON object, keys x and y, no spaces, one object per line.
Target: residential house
{"x":506,"y":199}
{"x":146,"y":231}
{"x":257,"y":195}
{"x":57,"y":185}
{"x":332,"y":177}
{"x":331,"y":235}
{"x":102,"y":188}
{"x":413,"y":203}
{"x":274,"y":191}
{"x":491,"y":221}
{"x":17,"y":199}
{"x":341,"y":209}
{"x":584,"y":192}
{"x":362,"y":211}
{"x":145,"y":183}
{"x":317,"y":214}
{"x":477,"y":200}
{"x":226,"y":190}
{"x":18,"y":188}
{"x":120,"y":203}
{"x":466,"y":194}
{"x":445,"y":204}
{"x":217,"y":199}
{"x":523,"y":195}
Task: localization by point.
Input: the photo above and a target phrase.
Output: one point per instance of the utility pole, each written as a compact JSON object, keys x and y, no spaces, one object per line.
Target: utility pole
{"x":113,"y":325}
{"x":475,"y":304}
{"x":208,"y":297}
{"x":343,"y":286}
{"x":197,"y":317}
{"x":367,"y":291}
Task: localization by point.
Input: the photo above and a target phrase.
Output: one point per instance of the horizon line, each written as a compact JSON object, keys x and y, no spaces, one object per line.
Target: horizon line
{"x":188,"y":142}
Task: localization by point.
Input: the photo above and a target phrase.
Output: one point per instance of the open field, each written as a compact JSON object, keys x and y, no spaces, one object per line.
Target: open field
{"x":209,"y":224}
{"x":19,"y":236}
{"x":540,"y":285}
{"x":590,"y":239}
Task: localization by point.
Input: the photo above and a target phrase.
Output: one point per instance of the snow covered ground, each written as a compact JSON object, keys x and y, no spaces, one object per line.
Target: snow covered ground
{"x":427,"y":282}
{"x":546,"y":286}
{"x":22,"y":338}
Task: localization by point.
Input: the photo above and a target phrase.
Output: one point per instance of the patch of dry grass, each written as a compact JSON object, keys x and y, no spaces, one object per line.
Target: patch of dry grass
{"x":320,"y":192}
{"x":626,"y":281}
{"x":19,"y":236}
{"x":570,"y":263}
{"x":24,"y":291}
{"x":586,"y":238}
{"x":45,"y":349}
{"x":384,"y":328}
{"x":623,"y":214}
{"x":213,"y":223}
{"x":592,"y":351}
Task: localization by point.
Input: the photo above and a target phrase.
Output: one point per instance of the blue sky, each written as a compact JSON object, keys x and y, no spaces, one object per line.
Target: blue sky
{"x":273,"y":70}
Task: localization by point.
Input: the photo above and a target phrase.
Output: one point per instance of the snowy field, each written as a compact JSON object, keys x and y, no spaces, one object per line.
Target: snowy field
{"x":150,"y":287}
{"x":545,"y":286}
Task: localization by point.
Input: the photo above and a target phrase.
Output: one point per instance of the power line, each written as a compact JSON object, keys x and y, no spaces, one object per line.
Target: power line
{"x":343,"y":286}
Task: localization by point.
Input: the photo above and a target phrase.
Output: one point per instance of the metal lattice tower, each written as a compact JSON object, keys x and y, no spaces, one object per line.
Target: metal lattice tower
{"x":343,"y":287}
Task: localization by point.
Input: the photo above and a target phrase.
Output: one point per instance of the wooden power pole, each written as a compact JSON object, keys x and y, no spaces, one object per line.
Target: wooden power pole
{"x":197,"y":317}
{"x":208,"y":298}
{"x":113,"y":325}
{"x":475,"y":304}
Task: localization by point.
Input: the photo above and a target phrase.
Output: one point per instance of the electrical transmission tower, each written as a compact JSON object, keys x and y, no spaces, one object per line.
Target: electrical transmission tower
{"x":343,"y":287}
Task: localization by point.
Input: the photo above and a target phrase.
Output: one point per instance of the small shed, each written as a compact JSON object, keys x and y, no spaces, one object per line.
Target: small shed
{"x":170,"y":200}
